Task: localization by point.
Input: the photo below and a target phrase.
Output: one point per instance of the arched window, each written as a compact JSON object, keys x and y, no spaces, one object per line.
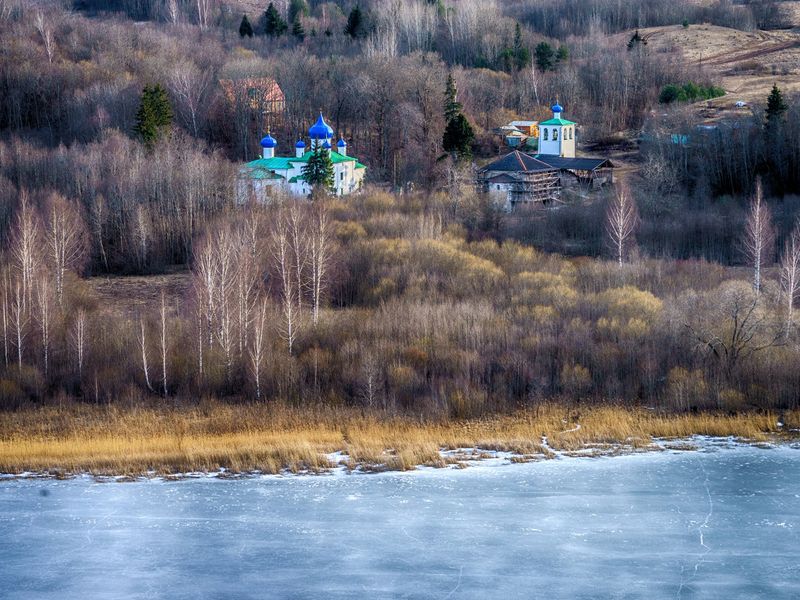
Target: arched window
{"x":545,"y":134}
{"x":555,"y":134}
{"x":570,"y":133}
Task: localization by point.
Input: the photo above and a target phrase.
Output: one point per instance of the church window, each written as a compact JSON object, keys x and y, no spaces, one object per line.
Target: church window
{"x":555,"y":134}
{"x":570,"y":133}
{"x":545,"y":134}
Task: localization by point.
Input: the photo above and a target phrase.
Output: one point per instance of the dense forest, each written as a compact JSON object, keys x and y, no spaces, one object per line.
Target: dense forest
{"x":676,"y":288}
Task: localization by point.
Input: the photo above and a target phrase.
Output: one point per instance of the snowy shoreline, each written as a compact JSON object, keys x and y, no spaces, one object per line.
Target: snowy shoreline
{"x":452,"y":459}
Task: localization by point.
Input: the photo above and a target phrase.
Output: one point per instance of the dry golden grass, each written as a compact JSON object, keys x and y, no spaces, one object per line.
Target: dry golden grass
{"x":271,"y":438}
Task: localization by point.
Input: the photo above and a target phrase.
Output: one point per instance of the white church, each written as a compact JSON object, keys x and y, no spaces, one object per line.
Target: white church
{"x":519,"y":178}
{"x":257,"y":176}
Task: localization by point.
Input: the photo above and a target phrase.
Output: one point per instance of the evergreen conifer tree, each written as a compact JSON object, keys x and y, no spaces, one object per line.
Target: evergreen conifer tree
{"x":297,"y":8}
{"x":776,"y":105}
{"x":458,"y":133}
{"x":318,"y":171}
{"x":274,"y":25}
{"x":297,"y":29}
{"x":452,"y":107}
{"x":154,"y":116}
{"x":354,"y":23}
{"x":544,"y":56}
{"x":245,"y":29}
{"x":458,"y":136}
{"x":522,"y":56}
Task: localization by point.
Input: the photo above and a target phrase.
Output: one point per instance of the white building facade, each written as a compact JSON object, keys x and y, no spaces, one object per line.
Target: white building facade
{"x":258,"y":176}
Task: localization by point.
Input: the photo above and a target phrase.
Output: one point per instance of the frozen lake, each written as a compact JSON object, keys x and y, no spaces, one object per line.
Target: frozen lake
{"x":721,"y":523}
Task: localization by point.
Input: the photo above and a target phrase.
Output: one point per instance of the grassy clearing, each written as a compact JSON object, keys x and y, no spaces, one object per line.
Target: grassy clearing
{"x":270,"y":438}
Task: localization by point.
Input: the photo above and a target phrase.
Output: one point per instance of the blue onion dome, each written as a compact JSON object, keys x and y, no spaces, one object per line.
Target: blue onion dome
{"x":327,"y":145}
{"x":268,"y":142}
{"x":300,"y":144}
{"x":320,"y":130}
{"x":557,"y":108}
{"x":341,"y":143}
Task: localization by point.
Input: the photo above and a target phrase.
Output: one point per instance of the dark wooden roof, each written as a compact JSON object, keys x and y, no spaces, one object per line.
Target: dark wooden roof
{"x":517,"y":161}
{"x":575,"y":164}
{"x":502,"y":178}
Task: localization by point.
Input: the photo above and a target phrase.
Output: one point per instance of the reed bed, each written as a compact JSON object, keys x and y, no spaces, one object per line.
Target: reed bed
{"x":75,"y":438}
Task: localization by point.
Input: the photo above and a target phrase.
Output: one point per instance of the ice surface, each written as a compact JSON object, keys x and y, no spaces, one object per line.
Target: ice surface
{"x":720,"y":523}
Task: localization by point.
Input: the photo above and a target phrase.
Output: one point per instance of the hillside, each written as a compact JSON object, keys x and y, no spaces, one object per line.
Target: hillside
{"x":745,"y":64}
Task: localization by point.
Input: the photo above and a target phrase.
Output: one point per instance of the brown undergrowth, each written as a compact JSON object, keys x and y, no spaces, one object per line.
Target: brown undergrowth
{"x":76,"y":438}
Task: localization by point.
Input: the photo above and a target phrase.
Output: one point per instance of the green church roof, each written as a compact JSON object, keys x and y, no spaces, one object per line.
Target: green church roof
{"x":557,"y":122}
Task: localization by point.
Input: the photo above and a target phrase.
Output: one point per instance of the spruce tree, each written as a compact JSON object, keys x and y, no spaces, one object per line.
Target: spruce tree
{"x":245,"y":29}
{"x":297,"y":29}
{"x":458,"y":133}
{"x":318,"y":171}
{"x":274,"y":25}
{"x":544,"y":56}
{"x":154,"y":116}
{"x":776,"y":105}
{"x":297,"y":8}
{"x":452,"y":107}
{"x":354,"y":23}
{"x":458,"y":136}
{"x":522,"y":56}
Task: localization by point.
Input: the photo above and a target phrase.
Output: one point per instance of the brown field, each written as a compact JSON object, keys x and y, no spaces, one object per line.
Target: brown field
{"x":746,"y":64}
{"x":76,"y":438}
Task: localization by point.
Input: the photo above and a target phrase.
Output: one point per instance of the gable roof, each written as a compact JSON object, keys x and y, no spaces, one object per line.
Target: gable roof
{"x":517,"y":161}
{"x":576,"y":164}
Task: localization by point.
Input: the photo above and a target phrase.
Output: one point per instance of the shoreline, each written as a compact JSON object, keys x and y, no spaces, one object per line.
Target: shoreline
{"x":452,"y":459}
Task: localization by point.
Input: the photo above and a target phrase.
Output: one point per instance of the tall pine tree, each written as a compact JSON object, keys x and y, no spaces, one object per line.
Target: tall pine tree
{"x":318,"y":171}
{"x":245,"y":29}
{"x":297,"y":8}
{"x":154,"y":116}
{"x":355,"y":23}
{"x":458,"y":133}
{"x":522,"y":56}
{"x":776,"y":106}
{"x":452,"y":107}
{"x":274,"y":25}
{"x":297,"y":29}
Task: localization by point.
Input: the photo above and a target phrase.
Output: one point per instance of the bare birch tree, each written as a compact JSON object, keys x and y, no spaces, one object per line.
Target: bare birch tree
{"x":790,"y":273}
{"x":44,"y":319}
{"x":281,"y":252}
{"x":45,"y":30}
{"x":189,"y":85}
{"x":758,"y":235}
{"x":164,"y":344}
{"x":79,"y":340}
{"x":143,"y":347}
{"x":64,"y":240}
{"x":5,"y":315}
{"x":97,"y":220}
{"x":622,"y":218}
{"x":297,"y":231}
{"x":258,"y":346}
{"x":19,"y":320}
{"x":25,"y":247}
{"x":320,"y":252}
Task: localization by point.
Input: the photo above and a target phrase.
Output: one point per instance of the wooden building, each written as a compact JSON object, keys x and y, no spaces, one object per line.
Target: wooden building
{"x":518,"y":178}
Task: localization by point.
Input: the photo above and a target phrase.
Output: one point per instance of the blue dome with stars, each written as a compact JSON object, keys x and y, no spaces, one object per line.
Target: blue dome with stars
{"x":320,"y":130}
